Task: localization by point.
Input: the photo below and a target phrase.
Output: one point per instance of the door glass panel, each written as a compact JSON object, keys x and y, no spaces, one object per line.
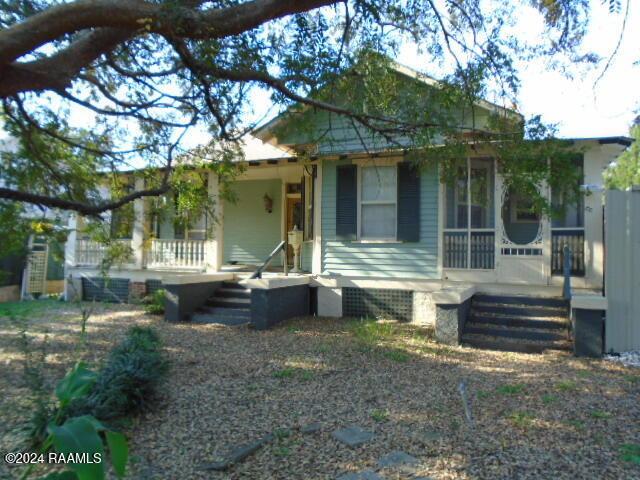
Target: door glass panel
{"x":521,"y":222}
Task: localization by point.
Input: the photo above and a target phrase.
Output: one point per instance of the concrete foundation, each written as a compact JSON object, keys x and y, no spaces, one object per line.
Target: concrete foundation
{"x":272,"y":306}
{"x":329,"y":302}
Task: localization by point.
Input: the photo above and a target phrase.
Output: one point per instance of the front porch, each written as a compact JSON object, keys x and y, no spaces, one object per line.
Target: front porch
{"x":269,"y":203}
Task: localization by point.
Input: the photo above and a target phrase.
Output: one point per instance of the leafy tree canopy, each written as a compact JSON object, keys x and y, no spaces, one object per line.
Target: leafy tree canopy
{"x":626,"y":171}
{"x":146,"y":73}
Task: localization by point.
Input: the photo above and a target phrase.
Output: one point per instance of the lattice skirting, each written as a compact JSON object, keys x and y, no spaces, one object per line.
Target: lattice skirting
{"x":378,"y":303}
{"x":105,"y":290}
{"x":153,"y":285}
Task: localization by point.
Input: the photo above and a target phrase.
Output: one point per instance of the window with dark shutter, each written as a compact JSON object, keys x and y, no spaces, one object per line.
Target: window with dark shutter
{"x":408,"y":203}
{"x":346,"y":202}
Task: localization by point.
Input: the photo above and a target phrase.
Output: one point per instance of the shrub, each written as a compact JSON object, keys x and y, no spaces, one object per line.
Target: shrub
{"x":154,"y":303}
{"x":127,"y":379}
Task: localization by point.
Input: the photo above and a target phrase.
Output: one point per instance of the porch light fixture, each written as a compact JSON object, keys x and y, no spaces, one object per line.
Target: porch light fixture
{"x":268,"y":203}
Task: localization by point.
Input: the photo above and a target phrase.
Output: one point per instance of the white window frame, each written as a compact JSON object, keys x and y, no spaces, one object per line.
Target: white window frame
{"x":361,"y":202}
{"x":468,"y":230}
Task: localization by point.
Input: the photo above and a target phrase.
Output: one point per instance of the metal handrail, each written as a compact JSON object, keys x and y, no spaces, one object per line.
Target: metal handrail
{"x":261,"y":268}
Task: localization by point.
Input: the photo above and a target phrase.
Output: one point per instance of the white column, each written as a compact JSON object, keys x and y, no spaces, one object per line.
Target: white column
{"x":70,"y":255}
{"x":316,"y":264}
{"x":215,"y":246}
{"x":70,"y":245}
{"x":546,"y":235}
{"x":137,"y":238}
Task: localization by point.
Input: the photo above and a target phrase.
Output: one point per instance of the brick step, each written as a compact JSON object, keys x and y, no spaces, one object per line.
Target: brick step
{"x":513,"y":333}
{"x":521,"y":300}
{"x":511,"y":345}
{"x":557,"y":323}
{"x":518,"y":310}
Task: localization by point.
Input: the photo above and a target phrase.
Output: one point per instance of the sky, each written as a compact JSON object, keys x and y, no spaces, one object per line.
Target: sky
{"x":579,"y":106}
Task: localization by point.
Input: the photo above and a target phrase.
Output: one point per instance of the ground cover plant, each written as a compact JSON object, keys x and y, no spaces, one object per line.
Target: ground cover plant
{"x":84,"y":412}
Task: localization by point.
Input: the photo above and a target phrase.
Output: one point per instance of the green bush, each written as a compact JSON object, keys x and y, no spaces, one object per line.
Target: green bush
{"x":154,"y":303}
{"x":127,"y":379}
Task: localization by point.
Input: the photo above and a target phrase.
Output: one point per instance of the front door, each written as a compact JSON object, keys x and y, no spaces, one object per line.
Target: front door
{"x":520,"y":240}
{"x":294,"y":216}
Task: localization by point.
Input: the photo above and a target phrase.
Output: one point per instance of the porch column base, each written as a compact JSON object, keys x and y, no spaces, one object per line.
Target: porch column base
{"x":452,"y":310}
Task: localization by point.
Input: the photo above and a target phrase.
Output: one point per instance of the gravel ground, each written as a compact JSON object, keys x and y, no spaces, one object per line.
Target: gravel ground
{"x":630,"y":359}
{"x":536,"y":416}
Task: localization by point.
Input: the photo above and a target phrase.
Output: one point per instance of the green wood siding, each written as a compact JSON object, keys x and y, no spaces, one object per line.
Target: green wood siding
{"x":250,"y":233}
{"x":398,"y":260}
{"x":307,"y":256}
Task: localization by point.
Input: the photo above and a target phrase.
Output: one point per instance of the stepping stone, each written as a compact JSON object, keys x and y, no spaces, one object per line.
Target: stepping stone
{"x":363,"y":475}
{"x":311,"y":428}
{"x":397,"y":458}
{"x":428,"y":436}
{"x":237,"y":454}
{"x":352,"y":436}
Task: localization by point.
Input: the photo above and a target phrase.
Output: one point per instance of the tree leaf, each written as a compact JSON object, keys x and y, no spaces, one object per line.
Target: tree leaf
{"x":79,"y":435}
{"x":119,"y":451}
{"x":76,"y":383}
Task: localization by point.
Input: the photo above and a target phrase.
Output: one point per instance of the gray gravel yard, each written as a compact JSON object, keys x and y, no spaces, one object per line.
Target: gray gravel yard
{"x":536,"y":416}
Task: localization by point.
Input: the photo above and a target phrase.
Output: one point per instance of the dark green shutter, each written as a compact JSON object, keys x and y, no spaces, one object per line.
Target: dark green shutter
{"x":408,"y":203}
{"x":346,"y":202}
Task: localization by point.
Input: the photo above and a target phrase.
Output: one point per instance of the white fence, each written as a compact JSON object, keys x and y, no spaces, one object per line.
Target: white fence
{"x":188,"y":254}
{"x":90,"y":252}
{"x":622,"y":270}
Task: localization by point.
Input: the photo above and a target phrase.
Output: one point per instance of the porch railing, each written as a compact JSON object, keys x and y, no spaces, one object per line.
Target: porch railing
{"x":458,"y":251}
{"x":188,"y":254}
{"x":574,"y":239}
{"x":90,"y":252}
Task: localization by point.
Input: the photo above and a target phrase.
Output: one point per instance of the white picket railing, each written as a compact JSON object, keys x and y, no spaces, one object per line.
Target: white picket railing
{"x":176,"y":254}
{"x":90,"y":252}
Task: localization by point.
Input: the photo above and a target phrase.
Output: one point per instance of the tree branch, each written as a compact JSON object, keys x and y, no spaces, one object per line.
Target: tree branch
{"x":57,"y":71}
{"x":82,"y":208}
{"x":140,"y":16}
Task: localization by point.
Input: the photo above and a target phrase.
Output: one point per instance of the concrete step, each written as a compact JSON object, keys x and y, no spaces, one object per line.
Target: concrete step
{"x":229,"y":302}
{"x":230,"y":320}
{"x":232,"y":293}
{"x":510,"y":345}
{"x":520,"y":300}
{"x":517,"y":310}
{"x":225,"y":311}
{"x":557,"y":323}
{"x":514,"y":332}
{"x":233,"y":285}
